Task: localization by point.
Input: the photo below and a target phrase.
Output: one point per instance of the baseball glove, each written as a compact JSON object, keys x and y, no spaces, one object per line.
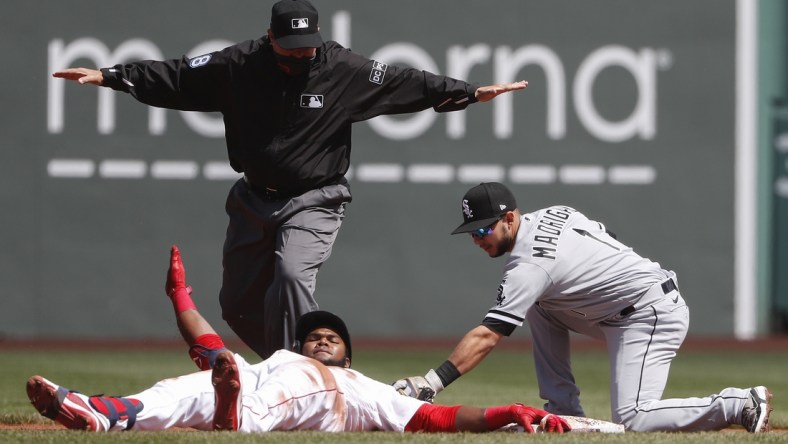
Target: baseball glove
{"x":415,"y":387}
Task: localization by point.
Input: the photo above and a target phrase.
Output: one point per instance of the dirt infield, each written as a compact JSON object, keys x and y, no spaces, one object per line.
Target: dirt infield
{"x":31,"y":426}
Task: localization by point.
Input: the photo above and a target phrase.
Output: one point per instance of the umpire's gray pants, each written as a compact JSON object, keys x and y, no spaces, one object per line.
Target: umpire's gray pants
{"x":272,"y":253}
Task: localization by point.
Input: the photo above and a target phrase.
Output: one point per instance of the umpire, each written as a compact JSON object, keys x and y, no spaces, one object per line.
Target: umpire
{"x":288,"y":101}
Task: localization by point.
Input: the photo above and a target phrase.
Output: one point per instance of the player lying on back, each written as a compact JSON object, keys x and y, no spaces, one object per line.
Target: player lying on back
{"x":313,"y":390}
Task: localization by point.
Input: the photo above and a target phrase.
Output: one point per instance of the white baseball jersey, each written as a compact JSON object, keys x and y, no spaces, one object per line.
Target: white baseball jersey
{"x":564,"y":261}
{"x":285,"y":392}
{"x":566,"y":274}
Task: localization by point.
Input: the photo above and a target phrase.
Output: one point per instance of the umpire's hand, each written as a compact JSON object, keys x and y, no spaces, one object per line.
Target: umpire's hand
{"x":487,"y":93}
{"x":81,"y":75}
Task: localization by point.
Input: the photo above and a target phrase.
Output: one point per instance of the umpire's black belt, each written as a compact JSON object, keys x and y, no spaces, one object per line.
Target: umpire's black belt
{"x":667,"y":287}
{"x":268,"y":193}
{"x":272,"y":194}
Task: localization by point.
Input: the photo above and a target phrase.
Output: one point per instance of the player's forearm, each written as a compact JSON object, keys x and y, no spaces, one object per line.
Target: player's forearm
{"x":192,"y":325}
{"x":471,"y":419}
{"x":473,"y":348}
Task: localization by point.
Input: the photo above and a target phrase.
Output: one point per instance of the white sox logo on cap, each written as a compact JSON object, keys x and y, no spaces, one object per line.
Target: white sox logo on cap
{"x":483,"y":204}
{"x":466,"y":209}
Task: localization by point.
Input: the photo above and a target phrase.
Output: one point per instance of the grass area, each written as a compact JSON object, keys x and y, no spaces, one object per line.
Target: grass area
{"x":506,"y":376}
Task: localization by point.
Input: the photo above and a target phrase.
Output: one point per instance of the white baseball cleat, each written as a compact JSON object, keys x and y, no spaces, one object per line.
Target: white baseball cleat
{"x":755,"y":414}
{"x":65,"y":406}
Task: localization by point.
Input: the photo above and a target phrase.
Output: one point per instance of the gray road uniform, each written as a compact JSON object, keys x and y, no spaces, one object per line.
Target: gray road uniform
{"x":290,"y":136}
{"x":565,"y":274}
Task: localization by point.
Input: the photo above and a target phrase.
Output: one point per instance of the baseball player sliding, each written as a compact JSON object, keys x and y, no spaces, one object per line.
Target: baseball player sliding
{"x":313,"y":390}
{"x":566,"y":273}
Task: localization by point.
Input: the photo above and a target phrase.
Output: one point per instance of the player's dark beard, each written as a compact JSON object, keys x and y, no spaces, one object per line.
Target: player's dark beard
{"x":506,"y":245}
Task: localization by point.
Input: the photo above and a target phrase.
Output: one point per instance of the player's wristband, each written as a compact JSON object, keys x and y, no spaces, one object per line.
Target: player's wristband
{"x":447,"y":373}
{"x":182,"y":300}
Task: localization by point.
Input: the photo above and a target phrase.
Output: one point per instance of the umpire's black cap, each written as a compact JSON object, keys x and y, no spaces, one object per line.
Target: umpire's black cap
{"x":294,"y":24}
{"x":316,"y":319}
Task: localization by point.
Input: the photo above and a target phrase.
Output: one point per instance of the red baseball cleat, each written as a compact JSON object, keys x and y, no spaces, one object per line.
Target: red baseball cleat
{"x":226,"y":382}
{"x":67,"y":407}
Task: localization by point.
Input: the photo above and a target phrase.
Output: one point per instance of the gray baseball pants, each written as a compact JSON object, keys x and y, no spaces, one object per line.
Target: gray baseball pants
{"x":641,"y":347}
{"x":271,"y":256}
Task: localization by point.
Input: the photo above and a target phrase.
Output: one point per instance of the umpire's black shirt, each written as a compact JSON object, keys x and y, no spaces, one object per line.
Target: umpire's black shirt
{"x":288,"y":133}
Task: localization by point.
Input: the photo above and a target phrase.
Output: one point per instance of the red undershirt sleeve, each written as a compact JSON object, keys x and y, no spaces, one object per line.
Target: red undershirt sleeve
{"x":434,"y":418}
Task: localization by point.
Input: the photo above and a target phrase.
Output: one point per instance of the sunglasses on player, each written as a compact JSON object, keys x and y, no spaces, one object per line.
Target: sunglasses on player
{"x":485,"y":231}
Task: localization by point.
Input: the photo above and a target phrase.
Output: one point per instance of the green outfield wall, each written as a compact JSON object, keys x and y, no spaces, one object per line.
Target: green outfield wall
{"x":630,"y":116}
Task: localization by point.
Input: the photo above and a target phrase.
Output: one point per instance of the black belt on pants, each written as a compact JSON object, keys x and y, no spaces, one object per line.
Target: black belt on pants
{"x":267,"y":193}
{"x":667,"y":287}
{"x":272,"y":194}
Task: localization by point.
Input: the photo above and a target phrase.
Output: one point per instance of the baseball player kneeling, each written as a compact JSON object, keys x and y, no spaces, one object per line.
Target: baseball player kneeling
{"x":566,"y":273}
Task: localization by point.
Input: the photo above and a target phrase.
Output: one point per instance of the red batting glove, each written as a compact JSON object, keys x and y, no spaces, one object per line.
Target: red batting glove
{"x":555,"y":424}
{"x":497,"y":417}
{"x":176,"y":288}
{"x":176,"y":275}
{"x":527,"y":415}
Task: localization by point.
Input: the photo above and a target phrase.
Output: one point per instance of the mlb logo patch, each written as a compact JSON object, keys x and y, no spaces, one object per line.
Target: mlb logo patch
{"x":378,"y":72}
{"x":311,"y":101}
{"x":299,"y":23}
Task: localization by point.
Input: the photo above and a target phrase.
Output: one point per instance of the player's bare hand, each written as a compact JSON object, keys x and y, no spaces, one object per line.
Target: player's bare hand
{"x":81,"y":75}
{"x":487,"y":93}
